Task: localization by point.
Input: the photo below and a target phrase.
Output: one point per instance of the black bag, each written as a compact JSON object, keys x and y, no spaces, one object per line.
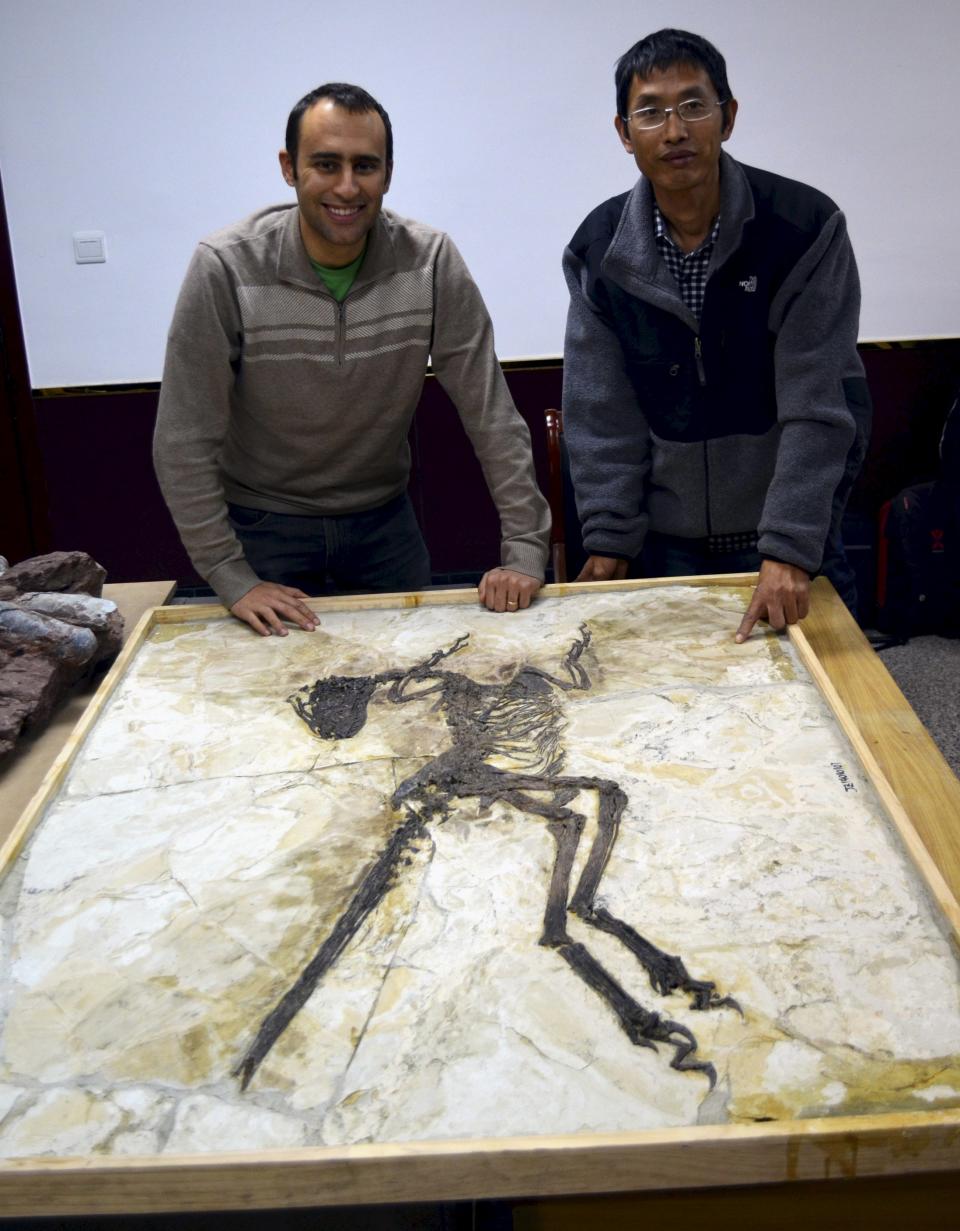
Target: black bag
{"x":918,"y":570}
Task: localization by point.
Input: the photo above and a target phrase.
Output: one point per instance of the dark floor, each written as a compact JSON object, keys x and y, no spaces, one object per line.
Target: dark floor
{"x":927,"y":671}
{"x":458,"y":1216}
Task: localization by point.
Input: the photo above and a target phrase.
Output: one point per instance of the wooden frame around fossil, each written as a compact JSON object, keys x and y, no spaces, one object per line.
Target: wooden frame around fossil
{"x":865,"y":1144}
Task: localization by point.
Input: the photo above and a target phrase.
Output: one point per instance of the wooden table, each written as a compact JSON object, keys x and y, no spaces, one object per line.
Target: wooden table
{"x":22,"y":772}
{"x":929,"y":793}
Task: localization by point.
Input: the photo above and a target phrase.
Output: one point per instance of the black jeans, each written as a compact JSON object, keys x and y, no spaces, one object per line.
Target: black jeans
{"x":378,"y":551}
{"x":666,"y":556}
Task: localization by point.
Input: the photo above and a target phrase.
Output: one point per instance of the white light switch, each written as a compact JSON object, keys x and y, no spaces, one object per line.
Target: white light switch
{"x":89,"y":247}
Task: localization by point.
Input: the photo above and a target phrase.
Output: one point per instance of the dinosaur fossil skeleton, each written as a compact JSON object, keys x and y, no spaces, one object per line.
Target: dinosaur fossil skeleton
{"x":518,"y":723}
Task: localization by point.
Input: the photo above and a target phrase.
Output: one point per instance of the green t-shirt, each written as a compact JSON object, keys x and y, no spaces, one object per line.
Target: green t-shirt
{"x":339,"y":279}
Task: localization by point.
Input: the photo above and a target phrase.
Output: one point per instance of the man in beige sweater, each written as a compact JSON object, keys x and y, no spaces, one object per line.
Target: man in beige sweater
{"x":294,"y":365}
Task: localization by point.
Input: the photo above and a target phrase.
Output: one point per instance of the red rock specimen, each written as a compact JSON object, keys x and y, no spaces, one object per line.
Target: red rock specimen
{"x":54,"y":629}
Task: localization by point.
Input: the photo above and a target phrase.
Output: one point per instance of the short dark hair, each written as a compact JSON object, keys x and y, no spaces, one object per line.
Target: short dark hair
{"x":350,"y":98}
{"x":664,"y":49}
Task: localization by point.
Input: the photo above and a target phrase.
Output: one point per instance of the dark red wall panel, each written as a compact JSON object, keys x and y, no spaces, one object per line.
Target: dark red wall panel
{"x":103,"y":497}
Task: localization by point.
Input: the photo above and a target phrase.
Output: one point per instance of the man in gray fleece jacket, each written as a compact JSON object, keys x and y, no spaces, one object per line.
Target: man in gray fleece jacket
{"x":715,"y":408}
{"x":294,"y":365}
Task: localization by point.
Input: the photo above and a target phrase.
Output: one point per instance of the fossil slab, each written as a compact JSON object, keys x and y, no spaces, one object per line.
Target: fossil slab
{"x":208,"y":842}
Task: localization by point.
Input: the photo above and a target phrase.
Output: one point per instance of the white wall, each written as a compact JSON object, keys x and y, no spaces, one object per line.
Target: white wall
{"x":157,"y":121}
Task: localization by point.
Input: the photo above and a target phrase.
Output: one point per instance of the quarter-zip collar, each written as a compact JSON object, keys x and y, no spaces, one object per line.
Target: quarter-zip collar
{"x":737,"y":208}
{"x":633,"y":262}
{"x":293,"y":263}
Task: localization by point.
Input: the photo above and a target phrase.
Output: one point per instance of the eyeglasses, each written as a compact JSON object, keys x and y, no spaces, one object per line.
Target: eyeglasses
{"x":690,"y":111}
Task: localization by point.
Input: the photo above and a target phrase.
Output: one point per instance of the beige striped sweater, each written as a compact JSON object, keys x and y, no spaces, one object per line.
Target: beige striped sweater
{"x":277,"y":397}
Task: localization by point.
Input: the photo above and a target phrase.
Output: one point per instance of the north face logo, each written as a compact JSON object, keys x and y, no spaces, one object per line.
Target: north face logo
{"x":749,"y":284}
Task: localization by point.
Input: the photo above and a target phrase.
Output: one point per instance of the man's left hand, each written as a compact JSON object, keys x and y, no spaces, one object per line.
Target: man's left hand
{"x":782,"y":597}
{"x":504,"y":590}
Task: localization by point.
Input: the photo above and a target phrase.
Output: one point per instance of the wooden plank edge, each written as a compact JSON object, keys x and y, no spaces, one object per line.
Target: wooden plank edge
{"x":735,"y":580}
{"x":53,"y":778}
{"x":877,"y":1145}
{"x":183,"y":613}
{"x":916,"y":848}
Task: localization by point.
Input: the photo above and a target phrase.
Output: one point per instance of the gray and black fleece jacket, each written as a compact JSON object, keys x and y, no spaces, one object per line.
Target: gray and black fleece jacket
{"x":739,"y":423}
{"x":276,"y":397}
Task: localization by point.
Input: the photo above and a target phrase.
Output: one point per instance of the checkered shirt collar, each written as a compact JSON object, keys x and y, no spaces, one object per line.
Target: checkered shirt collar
{"x":689,"y":269}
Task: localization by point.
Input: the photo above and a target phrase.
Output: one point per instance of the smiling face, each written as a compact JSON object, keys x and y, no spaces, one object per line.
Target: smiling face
{"x":340,"y":179}
{"x":679,"y":156}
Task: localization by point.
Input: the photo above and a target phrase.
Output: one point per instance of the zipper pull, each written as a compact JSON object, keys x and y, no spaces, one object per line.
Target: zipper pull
{"x":698,"y":352}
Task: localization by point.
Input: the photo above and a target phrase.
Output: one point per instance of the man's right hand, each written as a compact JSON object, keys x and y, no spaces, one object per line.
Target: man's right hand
{"x":267,"y":605}
{"x":603,"y":568}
